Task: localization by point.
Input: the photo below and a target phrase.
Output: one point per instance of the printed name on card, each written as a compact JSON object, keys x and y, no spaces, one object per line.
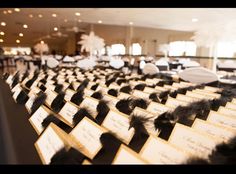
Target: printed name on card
{"x":140,"y":94}
{"x":157,"y":108}
{"x":173,"y":103}
{"x":91,"y":104}
{"x":186,"y":98}
{"x":51,"y":95}
{"x":230,"y":105}
{"x":227,"y":111}
{"x":69,"y":93}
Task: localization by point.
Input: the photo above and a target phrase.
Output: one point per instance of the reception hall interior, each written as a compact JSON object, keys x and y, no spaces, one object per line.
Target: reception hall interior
{"x":87,"y":86}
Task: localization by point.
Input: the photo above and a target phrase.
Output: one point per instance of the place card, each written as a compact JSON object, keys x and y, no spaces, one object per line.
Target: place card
{"x":230,"y":105}
{"x":49,"y":143}
{"x":125,"y":155}
{"x":212,"y":89}
{"x":158,"y":151}
{"x":152,"y":81}
{"x":149,"y":90}
{"x":102,"y":88}
{"x":65,"y":86}
{"x":87,"y":134}
{"x":186,"y":98}
{"x":88,"y":92}
{"x":197,"y":95}
{"x":75,"y":85}
{"x":10,"y":77}
{"x":225,"y":120}
{"x":140,"y":94}
{"x":34,"y":84}
{"x":133,"y":83}
{"x":30,"y":102}
{"x":15,"y":88}
{"x":161,"y":89}
{"x":68,"y":94}
{"x":34,"y":90}
{"x":37,"y":118}
{"x":169,"y":87}
{"x":60,"y":80}
{"x":213,"y":129}
{"x":23,"y":82}
{"x":51,"y":87}
{"x":123,"y":95}
{"x":111,"y":100}
{"x":118,"y":123}
{"x":17,"y":92}
{"x":158,"y":108}
{"x":91,"y":104}
{"x":90,"y":84}
{"x":188,"y":83}
{"x":227,"y":111}
{"x":178,"y":85}
{"x":114,"y":86}
{"x":71,"y":79}
{"x":195,"y":142}
{"x":51,"y":95}
{"x":233,"y":101}
{"x":174,"y":103}
{"x":214,"y":95}
{"x":149,"y":125}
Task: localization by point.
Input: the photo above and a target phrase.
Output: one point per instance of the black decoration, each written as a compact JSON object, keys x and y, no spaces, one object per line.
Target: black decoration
{"x":50,"y":118}
{"x":58,"y":88}
{"x":154,"y":97}
{"x":58,"y":102}
{"x":113,"y":92}
{"x":83,"y":112}
{"x":119,"y":81}
{"x":124,"y":106}
{"x":97,"y":95}
{"x":94,"y":87}
{"x":126,"y":89}
{"x":140,"y":86}
{"x":39,"y":100}
{"x":77,"y":98}
{"x":22,"y":97}
{"x":102,"y":109}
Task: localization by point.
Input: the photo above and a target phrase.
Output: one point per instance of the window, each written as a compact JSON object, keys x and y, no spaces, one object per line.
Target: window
{"x":180,"y":48}
{"x":226,"y":49}
{"x":117,"y":49}
{"x":136,"y":49}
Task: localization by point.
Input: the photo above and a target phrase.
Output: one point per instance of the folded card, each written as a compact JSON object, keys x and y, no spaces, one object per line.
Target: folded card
{"x":91,"y":104}
{"x":158,"y":108}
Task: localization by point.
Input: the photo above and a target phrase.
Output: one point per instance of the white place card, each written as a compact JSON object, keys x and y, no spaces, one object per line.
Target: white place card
{"x":125,"y":155}
{"x":65,"y":86}
{"x":51,"y":95}
{"x":213,"y":129}
{"x":61,"y":80}
{"x":88,"y":92}
{"x":90,"y":84}
{"x":17,"y":92}
{"x":34,"y":90}
{"x":149,"y":90}
{"x":159,"y":151}
{"x":111,"y":100}
{"x":179,"y":85}
{"x":193,"y":141}
{"x":161,"y":89}
{"x":206,"y":96}
{"x":174,"y":103}
{"x":118,"y":123}
{"x":69,"y":93}
{"x":133,"y":83}
{"x":149,"y":125}
{"x":212,"y":89}
{"x":37,"y":118}
{"x":187,"y":83}
{"x":169,"y":87}
{"x":230,"y":105}
{"x":91,"y":104}
{"x":225,"y":120}
{"x":196,"y":95}
{"x":67,"y":113}
{"x":233,"y":101}
{"x":113,"y":86}
{"x":152,"y":81}
{"x":140,"y":94}
{"x":49,"y":143}
{"x":227,"y":111}
{"x":157,"y":108}
{"x":207,"y":93}
{"x":75,"y":85}
{"x":51,"y":87}
{"x":88,"y":133}
{"x":34,"y":84}
{"x":10,"y":77}
{"x":123,"y":95}
{"x":30,"y":102}
{"x":24,"y":81}
{"x":186,"y":98}
{"x":15,"y":88}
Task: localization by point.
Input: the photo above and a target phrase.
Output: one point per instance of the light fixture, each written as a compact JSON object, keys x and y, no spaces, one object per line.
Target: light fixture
{"x":99,"y":21}
{"x":77,"y":14}
{"x":131,"y":23}
{"x":9,"y":11}
{"x":17,"y":41}
{"x":3,"y":24}
{"x":1,"y":40}
{"x":17,"y":9}
{"x":40,"y":16}
{"x":21,"y":34}
{"x":79,"y":20}
{"x":194,"y":19}
{"x":65,"y":20}
{"x":31,"y":16}
{"x":25,"y":26}
{"x":2,"y":33}
{"x":42,"y":42}
{"x":54,"y":15}
{"x":55,"y":29}
{"x":4,"y":12}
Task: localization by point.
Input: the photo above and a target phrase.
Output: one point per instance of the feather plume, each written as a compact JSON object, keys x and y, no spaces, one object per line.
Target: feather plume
{"x":77,"y":98}
{"x":22,"y":97}
{"x":15,"y":80}
{"x":139,"y":103}
{"x":26,"y":74}
{"x":82,"y":112}
{"x":64,"y":157}
{"x":58,"y":102}
{"x":58,"y":88}
{"x":39,"y":100}
{"x":108,"y":82}
{"x":94,"y":87}
{"x":5,"y":76}
{"x":42,"y":87}
{"x":124,"y":106}
{"x":196,"y":161}
{"x":140,"y":86}
{"x":113,"y":92}
{"x":83,"y":85}
{"x":119,"y":81}
{"x":137,"y":122}
{"x":31,"y":81}
{"x":154,"y":97}
{"x":97,"y":95}
{"x":126,"y":89}
{"x":50,"y":119}
{"x":102,"y":109}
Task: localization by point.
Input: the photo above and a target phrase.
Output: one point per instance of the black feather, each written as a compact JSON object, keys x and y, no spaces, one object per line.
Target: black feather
{"x":102,"y":109}
{"x":224,"y":153}
{"x":15,"y":80}
{"x":108,"y":82}
{"x":113,"y":92}
{"x":164,"y":95}
{"x":77,"y":98}
{"x":137,"y":122}
{"x":50,"y":119}
{"x":5,"y":76}
{"x":58,"y":88}
{"x":44,"y":81}
{"x":70,"y":157}
{"x":109,"y":141}
{"x":83,"y":112}
{"x":39,"y":100}
{"x":26,"y":74}
{"x":83,"y":85}
{"x":94,"y":87}
{"x":124,"y":106}
{"x":31,"y":81}
{"x":154,"y":97}
{"x":42,"y":87}
{"x":97,"y":95}
{"x":119,"y":81}
{"x":58,"y":102}
{"x":196,"y":161}
{"x":22,"y":97}
{"x":126,"y":89}
{"x":139,"y":103}
{"x":140,"y":86}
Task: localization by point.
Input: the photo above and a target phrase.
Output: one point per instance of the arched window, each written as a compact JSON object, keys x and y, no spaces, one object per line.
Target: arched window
{"x":180,"y":48}
{"x":117,"y":49}
{"x":136,"y":49}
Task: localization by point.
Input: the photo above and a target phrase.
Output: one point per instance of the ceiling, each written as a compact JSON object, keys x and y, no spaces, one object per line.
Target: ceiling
{"x":165,"y":18}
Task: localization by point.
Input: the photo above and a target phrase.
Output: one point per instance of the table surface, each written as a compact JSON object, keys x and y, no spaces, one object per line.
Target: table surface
{"x":17,"y":134}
